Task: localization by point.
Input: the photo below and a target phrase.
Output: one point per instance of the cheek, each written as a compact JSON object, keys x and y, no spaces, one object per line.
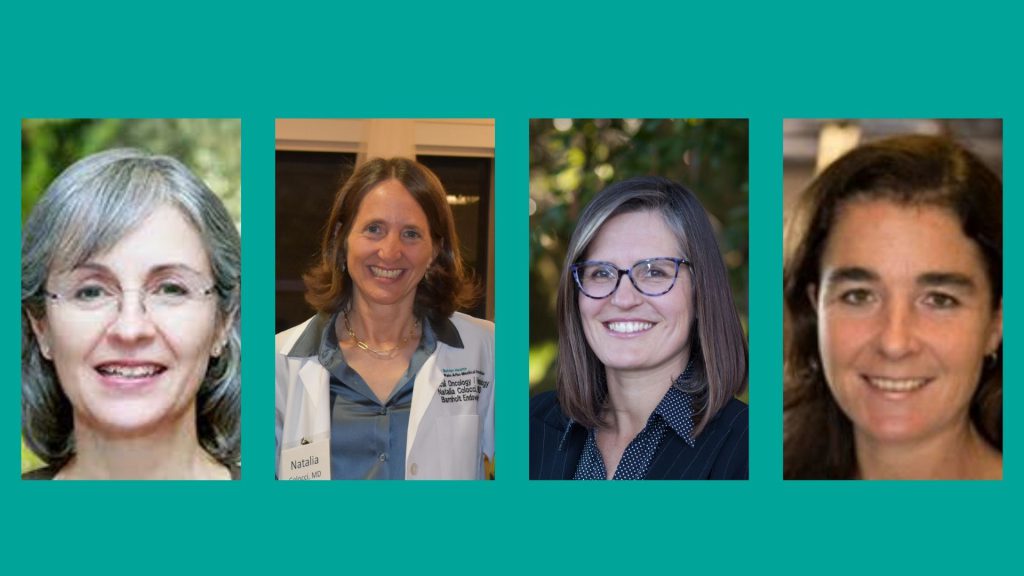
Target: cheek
{"x":588,"y":308}
{"x":192,"y":337}
{"x":840,"y":339}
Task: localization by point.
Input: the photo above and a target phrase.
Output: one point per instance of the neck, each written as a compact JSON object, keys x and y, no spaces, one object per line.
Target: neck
{"x":956,"y":454}
{"x":379,"y":325}
{"x":633,"y":395}
{"x":171,"y":452}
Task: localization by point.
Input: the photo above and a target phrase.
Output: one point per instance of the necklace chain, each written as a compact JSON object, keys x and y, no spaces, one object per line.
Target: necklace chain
{"x":380,"y":354}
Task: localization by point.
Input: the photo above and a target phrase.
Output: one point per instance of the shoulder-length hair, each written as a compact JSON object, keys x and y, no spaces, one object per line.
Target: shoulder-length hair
{"x":718,"y":347}
{"x":445,"y":287}
{"x":907,"y":170}
{"x":85,"y":212}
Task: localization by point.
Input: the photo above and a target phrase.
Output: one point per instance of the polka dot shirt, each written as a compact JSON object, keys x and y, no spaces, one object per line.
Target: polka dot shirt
{"x":673,"y":415}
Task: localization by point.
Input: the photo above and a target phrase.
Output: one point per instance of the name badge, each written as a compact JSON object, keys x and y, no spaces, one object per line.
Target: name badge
{"x":311,"y":461}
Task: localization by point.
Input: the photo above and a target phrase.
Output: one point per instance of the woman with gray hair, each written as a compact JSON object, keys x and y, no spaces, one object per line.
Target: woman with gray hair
{"x":130,"y":324}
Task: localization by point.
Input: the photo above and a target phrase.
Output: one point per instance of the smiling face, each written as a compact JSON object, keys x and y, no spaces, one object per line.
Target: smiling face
{"x":389,"y":247}
{"x":130,"y":370}
{"x":905,"y":319}
{"x":628,"y":331}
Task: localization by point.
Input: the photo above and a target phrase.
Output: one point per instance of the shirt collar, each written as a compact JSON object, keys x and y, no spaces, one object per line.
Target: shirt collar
{"x":319,"y":338}
{"x":675,"y":408}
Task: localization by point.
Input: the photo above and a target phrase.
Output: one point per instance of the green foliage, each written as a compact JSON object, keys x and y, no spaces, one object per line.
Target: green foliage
{"x":210,"y":148}
{"x":571,"y":160}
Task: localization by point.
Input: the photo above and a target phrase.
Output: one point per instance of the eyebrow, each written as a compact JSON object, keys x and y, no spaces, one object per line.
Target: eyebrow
{"x":926,"y":280}
{"x":159,"y":269}
{"x":950,"y":279}
{"x":851,"y":274}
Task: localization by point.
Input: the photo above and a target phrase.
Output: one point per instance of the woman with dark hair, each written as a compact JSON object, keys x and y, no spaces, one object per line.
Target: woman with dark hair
{"x":130,"y":271}
{"x":387,"y":381}
{"x":651,"y":350}
{"x":893,"y":334}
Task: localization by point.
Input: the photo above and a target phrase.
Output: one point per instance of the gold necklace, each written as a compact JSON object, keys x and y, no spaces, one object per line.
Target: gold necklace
{"x":380,"y":354}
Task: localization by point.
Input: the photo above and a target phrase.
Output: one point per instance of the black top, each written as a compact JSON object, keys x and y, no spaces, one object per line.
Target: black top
{"x":719,"y":453}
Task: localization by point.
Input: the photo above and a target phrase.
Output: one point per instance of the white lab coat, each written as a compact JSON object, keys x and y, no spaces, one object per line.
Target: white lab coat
{"x":451,"y":421}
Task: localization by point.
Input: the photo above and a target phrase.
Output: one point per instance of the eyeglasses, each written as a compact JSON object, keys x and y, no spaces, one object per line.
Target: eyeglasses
{"x":103,"y":295}
{"x":651,"y":277}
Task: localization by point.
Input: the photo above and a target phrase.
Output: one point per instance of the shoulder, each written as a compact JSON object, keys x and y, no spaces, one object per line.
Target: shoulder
{"x":45,"y":473}
{"x":545,"y":410}
{"x":729,"y":439}
{"x":735,"y":415}
{"x":469,"y":325}
{"x":285,"y":340}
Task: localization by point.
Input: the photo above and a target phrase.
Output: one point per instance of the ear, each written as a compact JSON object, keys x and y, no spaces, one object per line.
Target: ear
{"x":42,"y":332}
{"x":995,"y":335}
{"x":812,"y":295}
{"x":221,"y":341}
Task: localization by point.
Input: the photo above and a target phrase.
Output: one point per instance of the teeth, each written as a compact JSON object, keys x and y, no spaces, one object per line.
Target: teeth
{"x":897,"y":385}
{"x":382,"y":273}
{"x":629,"y":327}
{"x":130,"y":371}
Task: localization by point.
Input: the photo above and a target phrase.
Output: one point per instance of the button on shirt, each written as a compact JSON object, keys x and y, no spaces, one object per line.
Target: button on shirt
{"x":674,"y":415}
{"x":368,"y":438}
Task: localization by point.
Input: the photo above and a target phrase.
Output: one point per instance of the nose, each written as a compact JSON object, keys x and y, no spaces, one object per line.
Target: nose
{"x":131,"y":320}
{"x":626,"y":295}
{"x":390,"y":248}
{"x":898,"y":335}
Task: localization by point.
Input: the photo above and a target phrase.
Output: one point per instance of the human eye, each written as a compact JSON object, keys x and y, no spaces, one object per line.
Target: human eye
{"x":91,"y":292}
{"x":857,"y":297}
{"x":599,"y":272}
{"x":374,"y":229}
{"x":411,"y":234}
{"x":941,"y":301}
{"x":171,"y":289}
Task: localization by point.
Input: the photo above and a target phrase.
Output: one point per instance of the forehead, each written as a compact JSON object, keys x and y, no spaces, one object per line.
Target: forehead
{"x":901,"y":241}
{"x":391,"y":201}
{"x":165,"y":237}
{"x":626,"y":238}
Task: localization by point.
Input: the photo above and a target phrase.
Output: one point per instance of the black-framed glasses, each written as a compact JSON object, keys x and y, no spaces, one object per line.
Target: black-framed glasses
{"x":651,"y":276}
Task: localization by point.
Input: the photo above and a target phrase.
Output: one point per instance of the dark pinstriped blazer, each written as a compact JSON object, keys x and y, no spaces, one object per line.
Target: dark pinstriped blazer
{"x":719,"y":453}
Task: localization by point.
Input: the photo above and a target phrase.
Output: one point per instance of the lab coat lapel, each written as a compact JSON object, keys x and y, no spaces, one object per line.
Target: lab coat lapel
{"x":423,"y":393}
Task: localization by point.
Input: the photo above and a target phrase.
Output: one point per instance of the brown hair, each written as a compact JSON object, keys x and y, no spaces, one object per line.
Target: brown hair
{"x":718,"y":347}
{"x":911,"y":170}
{"x":445,"y":287}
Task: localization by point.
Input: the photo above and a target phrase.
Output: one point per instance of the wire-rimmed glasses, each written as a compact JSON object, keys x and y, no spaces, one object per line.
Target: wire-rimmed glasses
{"x":651,"y":276}
{"x":102,"y":296}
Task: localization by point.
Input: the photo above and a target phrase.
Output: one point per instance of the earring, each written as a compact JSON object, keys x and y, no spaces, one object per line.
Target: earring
{"x":218,"y":348}
{"x":44,"y":349}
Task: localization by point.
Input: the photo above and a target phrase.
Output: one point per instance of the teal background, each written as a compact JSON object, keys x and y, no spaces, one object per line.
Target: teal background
{"x":536,"y":59}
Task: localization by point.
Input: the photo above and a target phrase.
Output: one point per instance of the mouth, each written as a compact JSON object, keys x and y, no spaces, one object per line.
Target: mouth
{"x":896,"y":384}
{"x":385,"y":273}
{"x":129,"y":374}
{"x":628,"y":327}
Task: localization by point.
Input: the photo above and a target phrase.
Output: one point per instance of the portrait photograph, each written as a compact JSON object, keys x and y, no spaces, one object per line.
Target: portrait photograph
{"x":893,"y":297}
{"x":131,"y":299}
{"x":638,"y":299}
{"x":385,"y":299}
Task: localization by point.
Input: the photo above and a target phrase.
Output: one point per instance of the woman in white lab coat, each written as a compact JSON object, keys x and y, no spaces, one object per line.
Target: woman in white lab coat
{"x":387,"y":381}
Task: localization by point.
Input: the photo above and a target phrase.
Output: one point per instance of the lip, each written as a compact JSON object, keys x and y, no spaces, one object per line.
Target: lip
{"x":627,"y":327}
{"x":385,"y":274}
{"x":901,"y":386}
{"x":129,"y":375}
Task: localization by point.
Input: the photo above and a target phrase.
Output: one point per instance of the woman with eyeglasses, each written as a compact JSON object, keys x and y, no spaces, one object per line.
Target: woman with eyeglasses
{"x":130,"y":324}
{"x":651,"y":350}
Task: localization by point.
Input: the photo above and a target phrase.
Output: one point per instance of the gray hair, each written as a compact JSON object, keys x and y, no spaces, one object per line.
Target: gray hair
{"x":86,"y":211}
